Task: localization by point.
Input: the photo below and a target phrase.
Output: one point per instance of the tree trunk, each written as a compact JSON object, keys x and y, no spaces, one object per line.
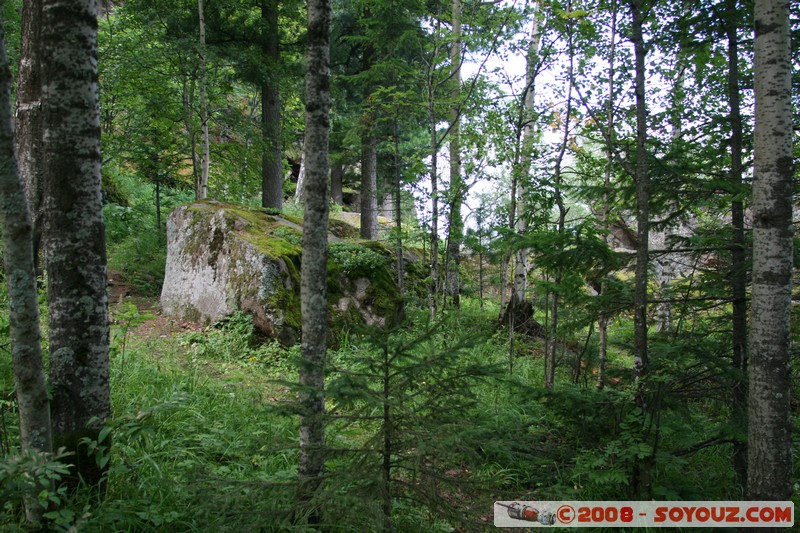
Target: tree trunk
{"x":74,"y":236}
{"x":369,"y":186}
{"x":455,"y":227}
{"x":26,"y":346}
{"x":398,"y":224}
{"x":602,"y":321}
{"x":313,"y":272}
{"x":434,"y":236}
{"x":271,"y":155}
{"x":29,"y":118}
{"x":337,"y":173}
{"x":770,"y":451}
{"x":738,"y":255}
{"x":559,"y":199}
{"x":202,"y":189}
{"x":643,"y":481}
{"x":642,"y":198}
{"x":523,"y":156}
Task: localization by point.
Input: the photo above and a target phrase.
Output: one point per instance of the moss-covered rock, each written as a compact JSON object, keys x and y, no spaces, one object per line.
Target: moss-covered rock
{"x":223,"y":257}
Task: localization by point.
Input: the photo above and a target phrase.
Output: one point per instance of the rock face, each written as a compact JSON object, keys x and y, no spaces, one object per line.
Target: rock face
{"x":222,"y":258}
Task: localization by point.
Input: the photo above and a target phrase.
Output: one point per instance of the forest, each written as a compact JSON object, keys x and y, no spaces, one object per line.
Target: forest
{"x":375,"y":265}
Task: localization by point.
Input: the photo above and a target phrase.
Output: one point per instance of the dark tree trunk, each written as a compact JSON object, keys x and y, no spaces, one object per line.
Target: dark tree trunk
{"x":271,"y":155}
{"x":738,"y":255}
{"x":74,"y":237}
{"x":337,"y":174}
{"x":26,"y":346}
{"x":643,"y":473}
{"x":642,"y":197}
{"x":369,"y":186}
{"x":313,"y":290}
{"x":455,"y":227}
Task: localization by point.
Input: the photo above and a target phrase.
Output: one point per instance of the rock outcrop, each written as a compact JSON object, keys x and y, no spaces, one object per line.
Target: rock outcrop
{"x":222,"y":258}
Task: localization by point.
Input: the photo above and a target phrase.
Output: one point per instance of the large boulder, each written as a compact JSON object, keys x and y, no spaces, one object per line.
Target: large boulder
{"x":222,"y":258}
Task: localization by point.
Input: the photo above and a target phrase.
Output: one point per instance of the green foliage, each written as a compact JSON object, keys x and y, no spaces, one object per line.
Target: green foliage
{"x":31,"y":475}
{"x":356,"y":260}
{"x":136,"y":245}
{"x":399,"y":403}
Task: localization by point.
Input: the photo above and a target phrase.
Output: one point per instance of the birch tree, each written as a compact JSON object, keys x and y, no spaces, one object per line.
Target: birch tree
{"x":74,"y":236}
{"x":769,"y":443}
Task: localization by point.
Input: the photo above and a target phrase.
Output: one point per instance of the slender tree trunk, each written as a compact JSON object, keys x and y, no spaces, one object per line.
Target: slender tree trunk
{"x":313,"y":272}
{"x":271,"y":155}
{"x":524,"y":155}
{"x":738,"y":255}
{"x":455,"y":227}
{"x":369,"y":186}
{"x":337,"y":173}
{"x":299,"y":193}
{"x":398,"y":224}
{"x":643,"y":474}
{"x":642,"y":197}
{"x":74,"y":236}
{"x":202,"y":189}
{"x":388,"y":449}
{"x":602,"y":321}
{"x":562,"y":211}
{"x":770,"y":450}
{"x":187,"y":90}
{"x":29,"y":118}
{"x":26,"y":347}
{"x":434,"y":288}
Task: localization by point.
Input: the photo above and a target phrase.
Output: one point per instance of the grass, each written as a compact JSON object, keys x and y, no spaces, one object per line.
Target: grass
{"x":201,"y":440}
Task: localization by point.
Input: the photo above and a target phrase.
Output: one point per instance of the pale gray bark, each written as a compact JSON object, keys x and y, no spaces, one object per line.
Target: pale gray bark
{"x":74,"y":237}
{"x":26,"y":347}
{"x":524,"y":154}
{"x":770,"y":450}
{"x":300,"y":191}
{"x":313,"y":290}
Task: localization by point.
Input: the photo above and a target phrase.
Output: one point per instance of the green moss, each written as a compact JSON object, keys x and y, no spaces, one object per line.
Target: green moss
{"x":279,"y":238}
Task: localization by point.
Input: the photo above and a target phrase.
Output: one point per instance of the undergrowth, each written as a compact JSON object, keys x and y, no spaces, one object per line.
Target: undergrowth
{"x":204,"y":438}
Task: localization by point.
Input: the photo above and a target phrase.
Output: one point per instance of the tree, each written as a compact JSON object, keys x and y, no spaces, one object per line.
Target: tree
{"x":26,"y":347}
{"x":455,"y":223}
{"x":738,"y":253}
{"x":272,"y":155}
{"x":313,"y":272}
{"x":201,"y":186}
{"x":28,"y":117}
{"x":642,"y":193}
{"x":769,"y":444}
{"x":74,"y":236}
